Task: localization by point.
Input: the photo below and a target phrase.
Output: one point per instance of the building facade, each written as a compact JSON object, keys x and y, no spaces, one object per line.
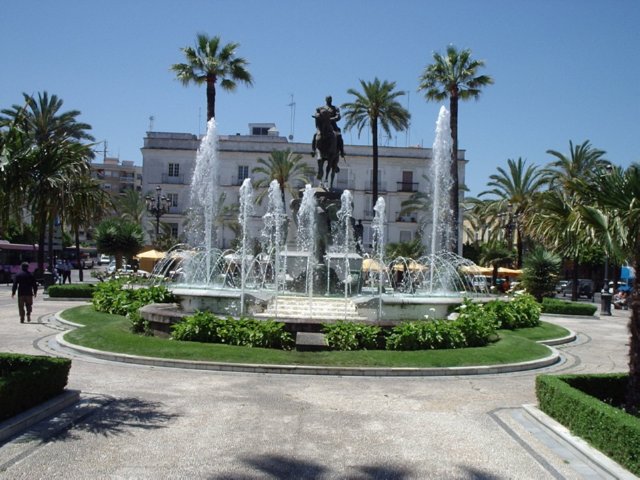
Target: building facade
{"x":117,"y":176}
{"x":169,"y":159}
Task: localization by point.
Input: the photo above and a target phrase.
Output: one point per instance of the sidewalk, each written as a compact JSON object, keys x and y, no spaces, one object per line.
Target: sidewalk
{"x":154,"y":422}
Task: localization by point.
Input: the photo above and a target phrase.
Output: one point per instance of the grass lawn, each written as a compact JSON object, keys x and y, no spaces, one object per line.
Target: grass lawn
{"x":111,"y":333}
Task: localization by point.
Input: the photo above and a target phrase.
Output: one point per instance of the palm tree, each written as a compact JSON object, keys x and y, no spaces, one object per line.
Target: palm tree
{"x":287,"y":168}
{"x":131,"y":206}
{"x":613,"y":214}
{"x":376,"y":105}
{"x":209,"y":62}
{"x":496,"y":254}
{"x":514,"y":191}
{"x":85,"y":203}
{"x":119,"y":238}
{"x":583,"y":162}
{"x":55,"y":155}
{"x":453,"y":76}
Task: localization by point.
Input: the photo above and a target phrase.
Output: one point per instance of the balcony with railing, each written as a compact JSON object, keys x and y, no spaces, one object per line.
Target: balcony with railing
{"x":406,"y":219}
{"x":407,"y":187}
{"x":382,"y":186}
{"x":173,"y":179}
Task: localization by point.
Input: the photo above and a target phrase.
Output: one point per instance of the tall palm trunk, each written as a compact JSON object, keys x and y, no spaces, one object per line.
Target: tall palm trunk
{"x":574,"y":280}
{"x":374,"y":174}
{"x":453,"y":172}
{"x":211,"y":98}
{"x":78,"y":256}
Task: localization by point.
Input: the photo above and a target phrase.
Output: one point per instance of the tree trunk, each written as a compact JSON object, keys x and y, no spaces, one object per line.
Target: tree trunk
{"x":374,"y":174}
{"x":574,"y":281}
{"x":453,"y":171}
{"x":78,"y":256}
{"x":211,"y":98}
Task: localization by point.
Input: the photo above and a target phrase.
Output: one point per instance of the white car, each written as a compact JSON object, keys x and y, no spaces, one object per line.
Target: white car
{"x":104,"y":259}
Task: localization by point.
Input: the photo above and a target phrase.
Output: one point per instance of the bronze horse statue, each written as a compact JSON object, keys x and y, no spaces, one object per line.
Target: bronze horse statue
{"x":326,"y":143}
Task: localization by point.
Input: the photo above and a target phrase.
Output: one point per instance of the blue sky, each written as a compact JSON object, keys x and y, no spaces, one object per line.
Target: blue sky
{"x":563,"y":69}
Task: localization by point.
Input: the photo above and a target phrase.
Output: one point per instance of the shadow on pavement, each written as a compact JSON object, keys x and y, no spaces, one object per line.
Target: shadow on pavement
{"x":104,"y":416}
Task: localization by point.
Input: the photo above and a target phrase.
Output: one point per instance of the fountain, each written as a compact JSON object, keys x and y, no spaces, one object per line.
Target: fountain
{"x":269,"y":284}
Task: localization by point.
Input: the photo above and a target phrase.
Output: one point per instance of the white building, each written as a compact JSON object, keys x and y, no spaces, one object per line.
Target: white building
{"x":168,"y":161}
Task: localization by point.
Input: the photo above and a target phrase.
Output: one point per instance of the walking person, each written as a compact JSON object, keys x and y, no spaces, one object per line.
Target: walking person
{"x":66,"y":272}
{"x":27,"y":287}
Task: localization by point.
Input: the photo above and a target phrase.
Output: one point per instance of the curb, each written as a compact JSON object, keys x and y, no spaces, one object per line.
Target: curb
{"x":560,"y":341}
{"x":603,"y":462}
{"x":552,"y":359}
{"x":24,"y":420}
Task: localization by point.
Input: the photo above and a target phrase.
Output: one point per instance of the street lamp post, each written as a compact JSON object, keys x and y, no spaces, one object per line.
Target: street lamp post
{"x":157,"y":207}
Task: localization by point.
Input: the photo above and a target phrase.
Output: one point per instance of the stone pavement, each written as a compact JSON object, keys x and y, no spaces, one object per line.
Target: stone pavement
{"x":155,"y":422}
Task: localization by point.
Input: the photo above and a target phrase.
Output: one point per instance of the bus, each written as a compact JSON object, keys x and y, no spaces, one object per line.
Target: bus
{"x":11,"y":257}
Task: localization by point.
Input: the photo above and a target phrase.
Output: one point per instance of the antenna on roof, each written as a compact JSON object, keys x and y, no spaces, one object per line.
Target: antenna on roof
{"x":292,"y":105}
{"x":151,"y":119}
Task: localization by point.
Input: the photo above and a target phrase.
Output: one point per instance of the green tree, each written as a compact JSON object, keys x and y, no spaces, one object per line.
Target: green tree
{"x":376,"y":106}
{"x":558,"y":220}
{"x":453,"y":76}
{"x":85,"y":203}
{"x":120,"y":238}
{"x":612,"y":214}
{"x":540,"y":273}
{"x":514,"y":191}
{"x":210,"y":62}
{"x":496,"y":254}
{"x":131,"y":206}
{"x":54,"y":156}
{"x":287,"y":168}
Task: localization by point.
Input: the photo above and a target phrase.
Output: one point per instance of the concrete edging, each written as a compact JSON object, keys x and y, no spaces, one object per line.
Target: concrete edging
{"x":552,"y":359}
{"x":20,"y":422}
{"x":596,"y":456}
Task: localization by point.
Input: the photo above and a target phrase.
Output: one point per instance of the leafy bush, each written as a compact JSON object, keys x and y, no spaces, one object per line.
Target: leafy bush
{"x":425,"y":335}
{"x":117,"y":297}
{"x":527,"y":311}
{"x":614,"y":432}
{"x":477,"y":324}
{"x":352,"y":336}
{"x":539,"y":273}
{"x":208,"y":328}
{"x":554,"y":305}
{"x":27,"y":380}
{"x":76,"y":290}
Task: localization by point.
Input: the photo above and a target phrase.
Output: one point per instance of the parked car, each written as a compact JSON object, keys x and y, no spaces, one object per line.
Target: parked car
{"x":560,"y":286}
{"x":104,"y":259}
{"x":585,"y":288}
{"x":480,"y":282}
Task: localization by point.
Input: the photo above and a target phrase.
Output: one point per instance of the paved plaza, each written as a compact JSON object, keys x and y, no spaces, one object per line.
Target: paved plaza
{"x":154,"y":422}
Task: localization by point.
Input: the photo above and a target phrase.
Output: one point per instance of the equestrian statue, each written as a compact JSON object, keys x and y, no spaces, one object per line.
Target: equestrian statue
{"x":327,"y":141}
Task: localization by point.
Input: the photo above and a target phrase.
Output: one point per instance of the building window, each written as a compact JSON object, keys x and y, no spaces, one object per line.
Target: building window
{"x":405,"y":236}
{"x":174,"y":229}
{"x":174,"y":169}
{"x":173,"y":199}
{"x":243,"y":172}
{"x":259,"y":131}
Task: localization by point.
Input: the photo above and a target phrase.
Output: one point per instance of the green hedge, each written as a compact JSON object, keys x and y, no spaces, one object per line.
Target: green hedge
{"x":554,"y":305}
{"x":75,"y":290}
{"x":27,"y":380}
{"x":587,"y":406}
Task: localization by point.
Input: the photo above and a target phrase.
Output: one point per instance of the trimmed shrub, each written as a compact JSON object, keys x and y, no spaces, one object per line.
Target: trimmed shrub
{"x":573,"y":401}
{"x":477,"y":324}
{"x":208,"y":328}
{"x":118,"y":298}
{"x":562,"y":307}
{"x":76,"y":290}
{"x":352,"y":336}
{"x":27,"y":380}
{"x":527,"y":311}
{"x":425,"y":335}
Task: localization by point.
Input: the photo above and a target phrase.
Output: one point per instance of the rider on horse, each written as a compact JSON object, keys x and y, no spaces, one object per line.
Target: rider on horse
{"x":328,"y":139}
